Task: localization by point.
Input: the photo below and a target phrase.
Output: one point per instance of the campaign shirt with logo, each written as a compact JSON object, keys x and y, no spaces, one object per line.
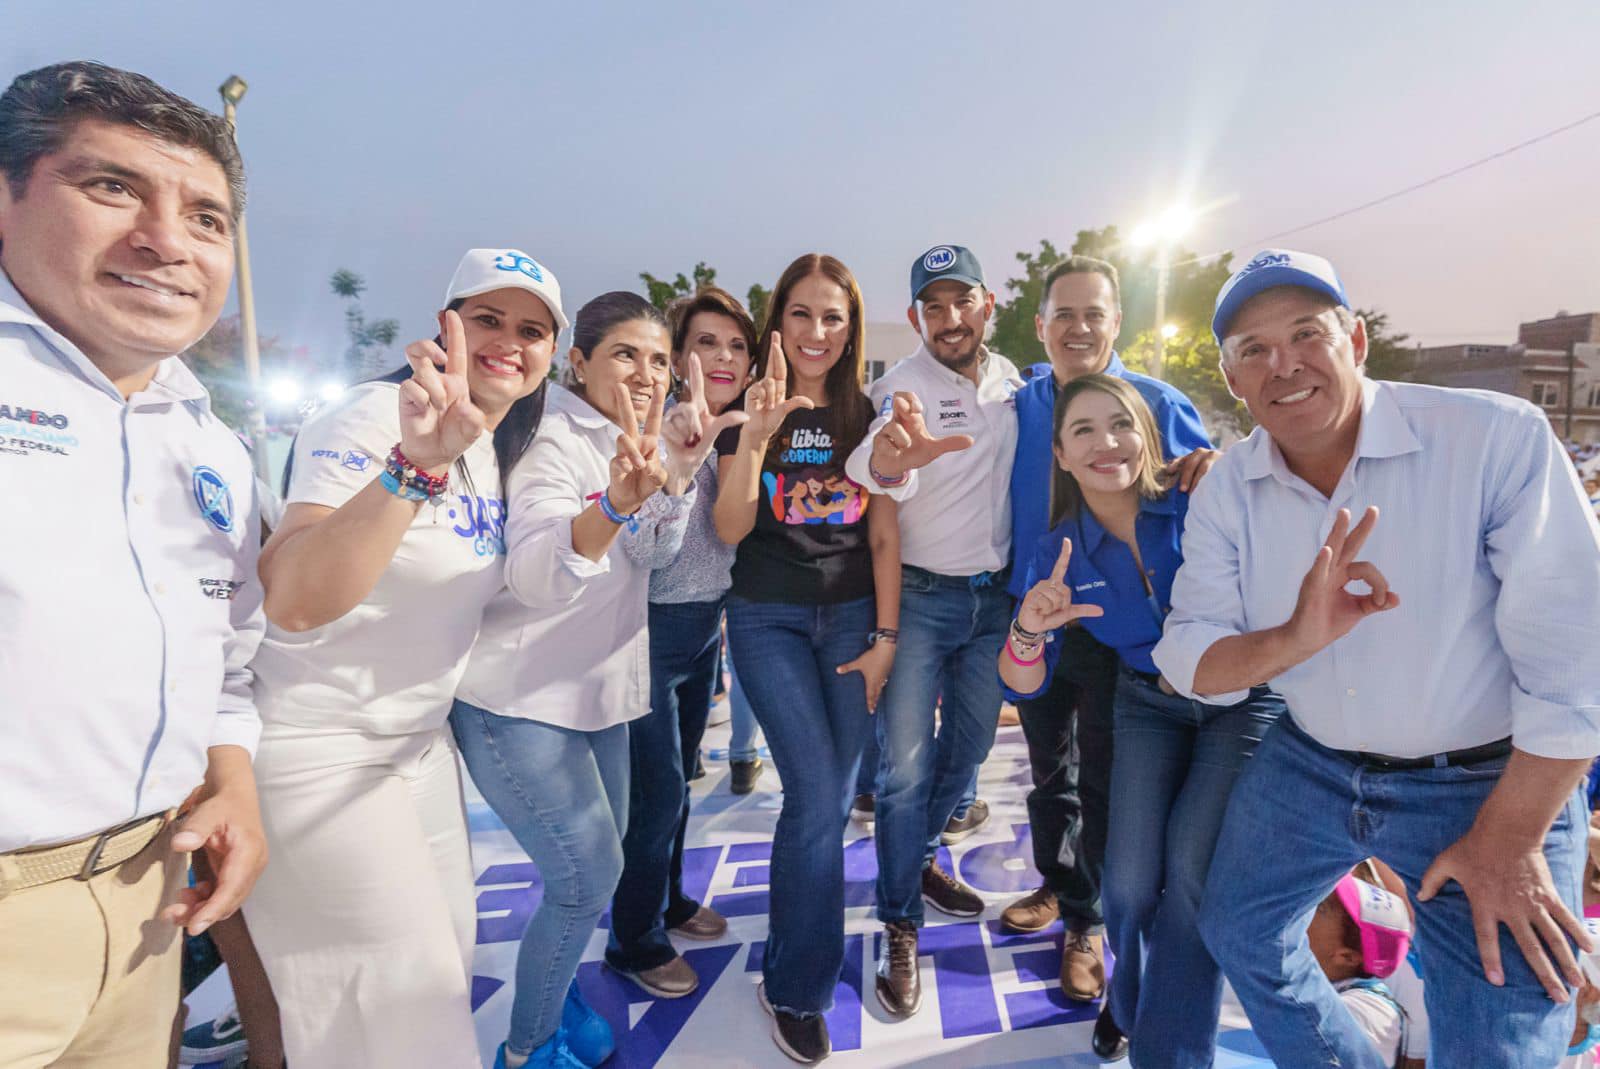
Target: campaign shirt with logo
{"x":809,"y":543}
{"x":127,"y":583}
{"x":391,"y":664}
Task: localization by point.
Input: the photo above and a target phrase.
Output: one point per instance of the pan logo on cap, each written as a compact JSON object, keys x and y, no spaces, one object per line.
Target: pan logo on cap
{"x":940,"y":258}
{"x":1266,"y":259}
{"x":512,"y":261}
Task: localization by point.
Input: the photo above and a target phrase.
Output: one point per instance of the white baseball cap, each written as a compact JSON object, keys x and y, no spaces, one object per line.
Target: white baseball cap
{"x":482,"y":270}
{"x":1270,"y":268}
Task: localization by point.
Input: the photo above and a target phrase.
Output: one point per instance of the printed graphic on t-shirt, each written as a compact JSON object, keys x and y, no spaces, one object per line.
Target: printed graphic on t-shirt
{"x":812,"y":492}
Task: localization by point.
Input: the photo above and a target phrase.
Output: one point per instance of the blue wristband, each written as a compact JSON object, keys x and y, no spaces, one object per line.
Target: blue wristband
{"x":613,"y":515}
{"x":392,"y":483}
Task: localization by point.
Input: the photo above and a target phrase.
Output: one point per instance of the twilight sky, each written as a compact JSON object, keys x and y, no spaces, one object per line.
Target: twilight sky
{"x":608,"y":138}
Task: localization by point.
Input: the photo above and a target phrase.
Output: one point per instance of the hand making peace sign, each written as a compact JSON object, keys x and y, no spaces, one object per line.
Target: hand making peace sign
{"x":636,"y":470}
{"x":691,"y":431}
{"x":766,"y":401}
{"x":1049,"y":604}
{"x":904,"y":442}
{"x":1325,"y":611}
{"x":438,"y":421}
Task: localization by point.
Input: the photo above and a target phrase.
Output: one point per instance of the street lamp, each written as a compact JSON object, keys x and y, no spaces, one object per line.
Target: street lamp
{"x":233,"y":91}
{"x":1163,"y":232}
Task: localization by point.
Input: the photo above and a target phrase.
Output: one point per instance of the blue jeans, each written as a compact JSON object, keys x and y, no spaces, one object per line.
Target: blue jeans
{"x":1300,"y":817}
{"x":742,"y":745}
{"x":815,"y":721}
{"x":684,"y":639}
{"x":871,"y":759}
{"x":950,"y":636}
{"x":563,"y":794}
{"x":1175,"y":764}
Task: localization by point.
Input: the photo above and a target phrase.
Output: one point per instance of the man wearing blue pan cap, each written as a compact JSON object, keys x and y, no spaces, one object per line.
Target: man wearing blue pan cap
{"x":1441,"y":715}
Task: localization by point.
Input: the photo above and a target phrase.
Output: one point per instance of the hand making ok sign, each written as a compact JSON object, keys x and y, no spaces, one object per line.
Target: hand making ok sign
{"x":1325,"y":610}
{"x":1049,"y":604}
{"x":438,"y":421}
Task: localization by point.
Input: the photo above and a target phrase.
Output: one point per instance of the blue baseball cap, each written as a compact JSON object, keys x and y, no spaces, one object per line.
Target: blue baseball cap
{"x":1269,"y":269}
{"x":943,"y":262}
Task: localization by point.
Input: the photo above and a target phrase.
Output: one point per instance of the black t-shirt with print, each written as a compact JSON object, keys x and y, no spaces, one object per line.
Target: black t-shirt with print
{"x":809,"y":544}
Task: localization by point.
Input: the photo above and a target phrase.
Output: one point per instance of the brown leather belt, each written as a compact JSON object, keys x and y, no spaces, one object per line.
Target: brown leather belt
{"x":81,"y":859}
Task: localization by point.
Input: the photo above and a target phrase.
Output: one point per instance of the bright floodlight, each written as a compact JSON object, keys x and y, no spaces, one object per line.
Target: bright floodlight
{"x":284,"y":391}
{"x":330,"y":391}
{"x":1164,"y":229}
{"x":1169,"y":330}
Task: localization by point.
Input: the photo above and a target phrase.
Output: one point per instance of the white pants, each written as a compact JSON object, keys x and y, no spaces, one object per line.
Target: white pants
{"x":365,"y":917}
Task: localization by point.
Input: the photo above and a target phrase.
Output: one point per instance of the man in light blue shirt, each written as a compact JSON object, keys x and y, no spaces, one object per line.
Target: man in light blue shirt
{"x":1441,"y":716}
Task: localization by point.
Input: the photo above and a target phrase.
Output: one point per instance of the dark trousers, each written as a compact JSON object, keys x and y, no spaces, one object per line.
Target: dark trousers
{"x":1068,"y":729}
{"x":684,"y":641}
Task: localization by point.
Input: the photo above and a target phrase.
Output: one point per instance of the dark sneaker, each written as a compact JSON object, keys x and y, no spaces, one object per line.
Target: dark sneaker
{"x":699,"y":768}
{"x":805,"y":1039}
{"x":1109,"y":1042}
{"x":221,"y":1042}
{"x":976,"y":817}
{"x":899,"y":981}
{"x":949,"y":895}
{"x":745,"y":774}
{"x":1083,"y":967}
{"x":1033,"y":912}
{"x":706,"y":923}
{"x":864,"y":810}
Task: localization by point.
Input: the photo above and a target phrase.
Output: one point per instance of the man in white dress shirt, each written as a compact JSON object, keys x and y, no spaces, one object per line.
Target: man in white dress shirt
{"x":948,"y":411}
{"x":1441,"y":716}
{"x":127,"y":570}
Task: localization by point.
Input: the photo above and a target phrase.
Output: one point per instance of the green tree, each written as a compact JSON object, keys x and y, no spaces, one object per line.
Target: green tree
{"x":756,"y":301}
{"x":1388,"y":356}
{"x":1190,"y":363}
{"x":662,"y":293}
{"x":368,"y":340}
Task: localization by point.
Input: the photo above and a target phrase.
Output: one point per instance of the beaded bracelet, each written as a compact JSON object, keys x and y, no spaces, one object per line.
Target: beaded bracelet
{"x":407,"y":473}
{"x":1012,"y":653}
{"x":630,"y":521}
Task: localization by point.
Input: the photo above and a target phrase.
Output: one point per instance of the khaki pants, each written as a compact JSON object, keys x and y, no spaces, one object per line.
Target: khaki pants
{"x":89,"y":972}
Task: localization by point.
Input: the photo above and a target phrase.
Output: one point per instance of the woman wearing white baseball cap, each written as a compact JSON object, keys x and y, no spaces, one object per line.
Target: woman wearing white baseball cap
{"x":376,"y":579}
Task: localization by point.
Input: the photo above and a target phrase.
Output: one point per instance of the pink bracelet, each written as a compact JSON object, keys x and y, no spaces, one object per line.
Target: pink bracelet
{"x":1018,"y":661}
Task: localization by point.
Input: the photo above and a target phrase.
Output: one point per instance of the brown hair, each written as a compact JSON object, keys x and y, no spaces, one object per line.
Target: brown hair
{"x":1081,"y":265}
{"x":713,"y":299}
{"x":849,"y":411}
{"x":1066,"y":498}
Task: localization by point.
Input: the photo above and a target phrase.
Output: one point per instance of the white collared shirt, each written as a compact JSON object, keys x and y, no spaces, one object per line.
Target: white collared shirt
{"x":1484,"y":533}
{"x":955,"y":514}
{"x":566,"y":642}
{"x":127,"y":585}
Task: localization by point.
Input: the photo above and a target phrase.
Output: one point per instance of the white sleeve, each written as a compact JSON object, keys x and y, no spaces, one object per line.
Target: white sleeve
{"x":543,"y":496}
{"x":1377,"y":1017}
{"x":1207,"y":602}
{"x":237,"y":722}
{"x":1406,"y":987}
{"x":342,"y":449}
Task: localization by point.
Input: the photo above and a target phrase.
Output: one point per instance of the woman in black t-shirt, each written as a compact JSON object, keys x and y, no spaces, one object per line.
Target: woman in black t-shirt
{"x":813,"y":612}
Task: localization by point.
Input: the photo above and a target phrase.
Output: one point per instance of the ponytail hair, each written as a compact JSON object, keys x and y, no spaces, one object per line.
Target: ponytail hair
{"x":598,"y":318}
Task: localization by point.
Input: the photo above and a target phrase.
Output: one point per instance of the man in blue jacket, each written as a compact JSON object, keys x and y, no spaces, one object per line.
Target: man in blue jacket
{"x":1068,"y":728}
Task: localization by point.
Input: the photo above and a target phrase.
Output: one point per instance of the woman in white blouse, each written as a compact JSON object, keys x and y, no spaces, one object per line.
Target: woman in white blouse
{"x":562,"y":662}
{"x":375,"y":583}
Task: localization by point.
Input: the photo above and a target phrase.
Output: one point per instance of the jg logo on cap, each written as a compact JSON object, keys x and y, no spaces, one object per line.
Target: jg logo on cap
{"x":945,"y":262}
{"x":482,"y":270}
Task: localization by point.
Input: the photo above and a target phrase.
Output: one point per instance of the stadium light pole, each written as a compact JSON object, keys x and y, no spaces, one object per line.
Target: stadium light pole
{"x":1163,"y":232}
{"x":233,"y":91}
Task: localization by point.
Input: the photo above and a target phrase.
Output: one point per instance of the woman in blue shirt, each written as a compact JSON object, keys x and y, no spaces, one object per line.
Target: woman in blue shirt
{"x":1108,"y":565}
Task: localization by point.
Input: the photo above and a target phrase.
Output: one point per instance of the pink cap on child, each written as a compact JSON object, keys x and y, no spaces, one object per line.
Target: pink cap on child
{"x":1382,"y":919}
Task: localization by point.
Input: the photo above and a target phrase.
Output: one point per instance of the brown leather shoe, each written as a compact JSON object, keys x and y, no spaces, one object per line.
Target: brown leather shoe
{"x":706,"y":923}
{"x":675,"y":979}
{"x":1033,"y":912}
{"x":949,"y":895}
{"x":899,"y":982}
{"x":1083,"y":967}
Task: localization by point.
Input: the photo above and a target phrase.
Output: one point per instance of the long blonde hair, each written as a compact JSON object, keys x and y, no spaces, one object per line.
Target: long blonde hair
{"x":1066,"y":497}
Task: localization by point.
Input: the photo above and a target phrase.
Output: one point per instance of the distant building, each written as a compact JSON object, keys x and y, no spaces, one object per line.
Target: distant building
{"x":1550,"y":358}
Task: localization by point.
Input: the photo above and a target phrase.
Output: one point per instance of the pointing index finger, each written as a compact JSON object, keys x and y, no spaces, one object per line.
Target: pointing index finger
{"x":627,"y":418}
{"x":455,"y":344}
{"x":697,"y":381}
{"x":652,"y":419}
{"x":1058,"y":574}
{"x":777,"y":363}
